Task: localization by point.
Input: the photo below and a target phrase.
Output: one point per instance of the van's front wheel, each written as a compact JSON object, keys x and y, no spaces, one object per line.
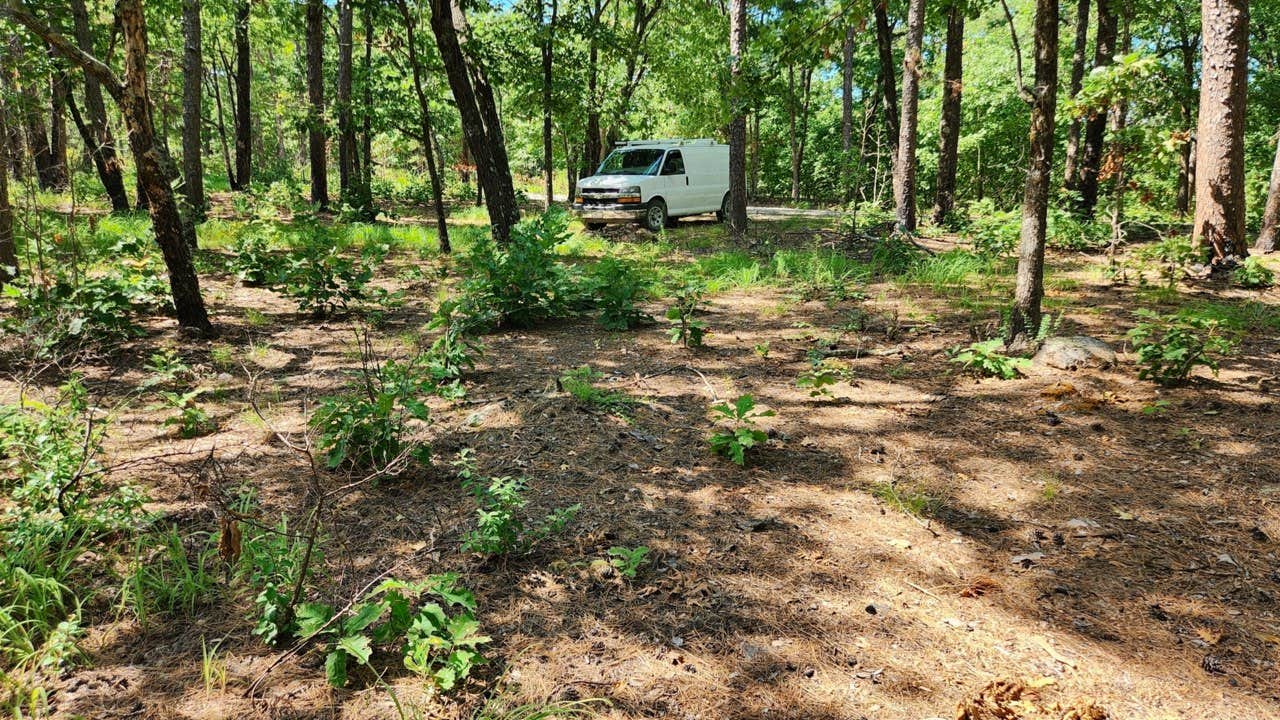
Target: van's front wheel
{"x":723,"y":213}
{"x":655,"y":216}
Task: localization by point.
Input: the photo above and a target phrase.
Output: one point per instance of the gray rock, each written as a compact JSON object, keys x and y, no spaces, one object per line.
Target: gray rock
{"x":1070,"y":353}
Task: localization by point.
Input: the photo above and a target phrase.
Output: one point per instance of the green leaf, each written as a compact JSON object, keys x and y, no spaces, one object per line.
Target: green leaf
{"x":335,"y":668}
{"x":311,"y":617}
{"x":357,"y":646}
{"x":363,"y":615}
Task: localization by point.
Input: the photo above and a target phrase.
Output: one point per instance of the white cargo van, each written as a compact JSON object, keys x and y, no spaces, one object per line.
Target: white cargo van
{"x":655,"y":181}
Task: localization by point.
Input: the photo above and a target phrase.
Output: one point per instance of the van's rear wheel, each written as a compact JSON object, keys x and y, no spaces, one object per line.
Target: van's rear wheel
{"x":723,"y":213}
{"x":594,"y":226}
{"x":655,"y":216}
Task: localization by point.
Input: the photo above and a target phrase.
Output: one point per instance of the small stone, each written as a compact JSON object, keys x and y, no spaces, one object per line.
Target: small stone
{"x":1071,"y":353}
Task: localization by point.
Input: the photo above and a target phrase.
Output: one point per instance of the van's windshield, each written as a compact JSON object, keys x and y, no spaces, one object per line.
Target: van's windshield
{"x":632,"y":161}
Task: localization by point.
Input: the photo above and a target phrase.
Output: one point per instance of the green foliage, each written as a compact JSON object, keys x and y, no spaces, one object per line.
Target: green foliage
{"x":1253,"y":274}
{"x":628,"y":561}
{"x":992,"y":232}
{"x":323,"y":279}
{"x":1068,"y":231}
{"x":1171,"y":256}
{"x":1169,"y":347}
{"x":253,"y":256}
{"x":163,"y":576}
{"x":986,"y":358}
{"x":821,"y":374}
{"x":501,"y":527}
{"x":618,"y":288}
{"x":367,"y":427}
{"x":272,"y":561}
{"x":743,"y":432}
{"x":187,"y":416}
{"x":894,"y":255}
{"x":580,"y":383}
{"x":520,"y":283}
{"x":686,"y":329}
{"x":910,"y":502}
{"x":453,"y":352}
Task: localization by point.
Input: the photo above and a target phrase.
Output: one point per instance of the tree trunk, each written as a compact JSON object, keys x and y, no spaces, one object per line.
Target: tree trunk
{"x":1070,"y":177}
{"x":8,"y":250}
{"x":481,"y":126}
{"x":59,"y":170}
{"x":846,"y":115}
{"x":591,"y":150}
{"x":1118,"y":121}
{"x":316,"y":140}
{"x":192,"y":108}
{"x":1186,"y":164}
{"x":904,"y":172}
{"x":346,"y":125}
{"x":1024,"y":319}
{"x":737,"y":216}
{"x":570,"y":166}
{"x":31,"y":112}
{"x":1271,"y":213}
{"x":244,"y":107}
{"x":1220,"y":212}
{"x":101,"y":144}
{"x":1095,"y":126}
{"x":428,"y":131}
{"x":365,"y":158}
{"x":888,"y":81}
{"x":548,"y":146}
{"x":949,"y":133}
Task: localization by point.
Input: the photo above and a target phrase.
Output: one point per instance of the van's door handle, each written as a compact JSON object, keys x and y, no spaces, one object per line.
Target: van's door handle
{"x":686,"y":179}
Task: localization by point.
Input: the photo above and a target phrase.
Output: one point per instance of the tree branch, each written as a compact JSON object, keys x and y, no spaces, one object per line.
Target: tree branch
{"x":1024,"y":92}
{"x":18,"y":12}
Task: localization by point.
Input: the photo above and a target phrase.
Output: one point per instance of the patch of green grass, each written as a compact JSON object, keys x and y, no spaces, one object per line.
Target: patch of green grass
{"x":1250,"y":316}
{"x":909,"y":501}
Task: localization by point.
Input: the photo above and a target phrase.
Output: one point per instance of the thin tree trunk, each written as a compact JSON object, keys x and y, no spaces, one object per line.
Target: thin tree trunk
{"x":591,"y":150}
{"x":31,"y":112}
{"x":1271,"y":213}
{"x":366,"y":115}
{"x":1118,"y":120}
{"x":244,"y":106}
{"x":548,"y":145}
{"x":949,"y":133}
{"x":1186,"y":163}
{"x":888,"y":80}
{"x":222,"y":128}
{"x":1220,"y":210}
{"x":1095,"y":126}
{"x":316,"y":140}
{"x":425,"y":124}
{"x":846,"y":115}
{"x":737,"y":215}
{"x":59,"y":170}
{"x":8,"y":250}
{"x":904,"y":173}
{"x":570,"y":167}
{"x":192,"y":108}
{"x":346,"y":125}
{"x":481,"y":126}
{"x":793,"y":137}
{"x":1070,"y":171}
{"x":1024,"y":319}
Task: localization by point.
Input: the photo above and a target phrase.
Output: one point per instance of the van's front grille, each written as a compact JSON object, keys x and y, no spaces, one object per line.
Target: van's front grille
{"x":599,"y":196}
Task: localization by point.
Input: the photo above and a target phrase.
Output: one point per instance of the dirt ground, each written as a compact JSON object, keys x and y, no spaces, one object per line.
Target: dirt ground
{"x":1102,"y":554}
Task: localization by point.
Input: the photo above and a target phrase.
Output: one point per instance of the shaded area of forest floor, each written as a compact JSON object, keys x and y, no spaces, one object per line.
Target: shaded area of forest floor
{"x":892,"y":551}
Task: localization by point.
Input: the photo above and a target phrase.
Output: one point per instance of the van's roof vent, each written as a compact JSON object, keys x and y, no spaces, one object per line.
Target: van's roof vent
{"x":668,"y":141}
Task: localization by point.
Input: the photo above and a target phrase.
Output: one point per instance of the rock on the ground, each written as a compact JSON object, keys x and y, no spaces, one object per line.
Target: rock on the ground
{"x":1071,"y":353}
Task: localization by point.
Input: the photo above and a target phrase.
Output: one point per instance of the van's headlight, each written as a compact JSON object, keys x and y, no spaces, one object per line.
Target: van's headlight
{"x":629,"y":195}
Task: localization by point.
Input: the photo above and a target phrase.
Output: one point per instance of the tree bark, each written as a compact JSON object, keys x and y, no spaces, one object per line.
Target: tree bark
{"x":591,"y":148}
{"x":904,"y":172}
{"x":59,"y":170}
{"x":192,"y":108}
{"x":846,"y":115}
{"x":1271,"y":213}
{"x":347,"y":176}
{"x":31,"y":113}
{"x":365,"y":157}
{"x":316,"y":140}
{"x":798,"y":114}
{"x":548,"y":145}
{"x":1186,"y":164}
{"x":1070,"y":177}
{"x":888,"y":81}
{"x":737,"y":216}
{"x":8,"y":250}
{"x":101,"y":144}
{"x":478,"y":110}
{"x":1024,"y":319}
{"x":949,"y":133}
{"x":1220,"y":210}
{"x":426,"y":128}
{"x":1095,"y":127}
{"x":244,"y":106}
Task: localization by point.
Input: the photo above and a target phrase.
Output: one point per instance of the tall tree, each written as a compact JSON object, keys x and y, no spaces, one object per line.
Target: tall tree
{"x":1024,"y":318}
{"x":1188,"y":47}
{"x":192,"y":108}
{"x":949,"y":133}
{"x":798,"y":95}
{"x":31,"y":111}
{"x":1271,"y":212}
{"x":426,"y":126}
{"x":846,"y":115}
{"x":1069,"y":172}
{"x":904,"y":169}
{"x":59,"y":169}
{"x":548,"y":141}
{"x":592,"y":146}
{"x":171,"y":230}
{"x":737,"y":210}
{"x":888,"y":82}
{"x":316,"y":136}
{"x":244,"y":104}
{"x":348,"y":175}
{"x":1095,"y":127}
{"x":93,"y":127}
{"x":1220,"y":211}
{"x":481,"y":127}
{"x":8,"y":250}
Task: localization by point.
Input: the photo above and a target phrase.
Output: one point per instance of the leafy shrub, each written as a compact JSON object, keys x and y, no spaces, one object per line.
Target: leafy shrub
{"x":992,"y":232}
{"x":1253,"y":274}
{"x":743,"y":432}
{"x":74,"y":311}
{"x":1069,"y":231}
{"x":628,"y":561}
{"x":685,"y":328}
{"x":821,"y":374}
{"x":618,"y":287}
{"x":252,"y":256}
{"x":453,"y":352}
{"x":500,"y":527}
{"x":323,"y":280}
{"x":1169,"y":347}
{"x":986,"y":358}
{"x":272,"y":560}
{"x":520,"y":283}
{"x":366,"y":428}
{"x":1171,"y":256}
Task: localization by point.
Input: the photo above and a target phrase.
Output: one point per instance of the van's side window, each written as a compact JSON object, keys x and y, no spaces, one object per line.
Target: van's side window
{"x":674,"y":164}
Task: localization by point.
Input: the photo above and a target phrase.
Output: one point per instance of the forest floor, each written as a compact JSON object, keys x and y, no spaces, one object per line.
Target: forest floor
{"x":1096,"y":545}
